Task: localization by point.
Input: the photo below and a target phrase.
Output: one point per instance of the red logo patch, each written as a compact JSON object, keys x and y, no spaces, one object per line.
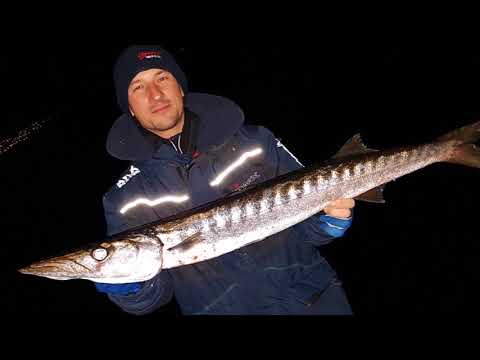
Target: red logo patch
{"x":148,"y":55}
{"x":235,"y":186}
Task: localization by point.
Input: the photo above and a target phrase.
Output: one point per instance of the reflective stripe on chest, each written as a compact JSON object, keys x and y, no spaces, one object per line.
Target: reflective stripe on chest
{"x":233,"y":176}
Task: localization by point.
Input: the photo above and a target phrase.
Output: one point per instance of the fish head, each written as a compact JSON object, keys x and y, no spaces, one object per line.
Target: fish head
{"x":135,"y":258}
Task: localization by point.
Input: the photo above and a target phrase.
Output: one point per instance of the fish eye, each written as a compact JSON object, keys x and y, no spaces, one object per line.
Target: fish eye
{"x":99,"y":253}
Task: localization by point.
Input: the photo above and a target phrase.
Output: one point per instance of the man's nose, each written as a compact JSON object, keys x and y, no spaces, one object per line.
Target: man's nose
{"x":155,"y":93}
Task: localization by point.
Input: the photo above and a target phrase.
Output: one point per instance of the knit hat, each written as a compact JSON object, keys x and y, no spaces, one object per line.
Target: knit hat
{"x":137,"y":58}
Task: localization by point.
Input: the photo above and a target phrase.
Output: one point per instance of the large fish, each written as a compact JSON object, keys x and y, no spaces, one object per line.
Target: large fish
{"x":250,"y":216}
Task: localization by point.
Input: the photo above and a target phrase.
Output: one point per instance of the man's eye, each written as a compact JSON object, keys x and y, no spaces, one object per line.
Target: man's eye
{"x":137,"y":87}
{"x":162,"y":78}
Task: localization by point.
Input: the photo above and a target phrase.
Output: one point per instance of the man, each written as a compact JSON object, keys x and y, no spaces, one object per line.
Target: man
{"x":179,"y":145}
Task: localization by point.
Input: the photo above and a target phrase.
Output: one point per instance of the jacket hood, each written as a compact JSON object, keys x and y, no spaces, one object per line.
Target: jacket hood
{"x":219,"y":117}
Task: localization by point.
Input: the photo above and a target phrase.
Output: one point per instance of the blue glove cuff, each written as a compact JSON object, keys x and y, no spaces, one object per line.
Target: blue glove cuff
{"x":118,"y":289}
{"x":334,"y":226}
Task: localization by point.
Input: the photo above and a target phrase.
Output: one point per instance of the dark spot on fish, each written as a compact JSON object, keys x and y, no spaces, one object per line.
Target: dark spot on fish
{"x":284,"y":189}
{"x":256,"y":201}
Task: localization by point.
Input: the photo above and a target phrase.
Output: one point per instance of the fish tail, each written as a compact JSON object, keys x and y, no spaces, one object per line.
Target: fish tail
{"x":464,"y":151}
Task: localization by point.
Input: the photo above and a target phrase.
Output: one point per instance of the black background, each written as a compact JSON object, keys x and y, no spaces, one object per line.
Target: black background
{"x":416,"y":253}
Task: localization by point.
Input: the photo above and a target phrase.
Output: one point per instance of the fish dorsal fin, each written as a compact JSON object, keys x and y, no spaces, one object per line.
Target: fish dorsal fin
{"x":374,"y":195}
{"x":353,"y":146}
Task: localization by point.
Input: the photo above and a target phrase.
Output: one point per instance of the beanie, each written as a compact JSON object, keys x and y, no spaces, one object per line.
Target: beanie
{"x":137,"y":58}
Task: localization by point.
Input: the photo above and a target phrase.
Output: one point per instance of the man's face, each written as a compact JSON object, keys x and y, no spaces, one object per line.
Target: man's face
{"x":156,"y":100}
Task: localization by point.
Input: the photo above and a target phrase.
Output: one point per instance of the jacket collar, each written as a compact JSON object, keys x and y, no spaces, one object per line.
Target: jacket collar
{"x":212,"y":120}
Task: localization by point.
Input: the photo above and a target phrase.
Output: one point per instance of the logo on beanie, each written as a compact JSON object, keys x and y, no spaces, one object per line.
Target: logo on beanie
{"x":149,"y":55}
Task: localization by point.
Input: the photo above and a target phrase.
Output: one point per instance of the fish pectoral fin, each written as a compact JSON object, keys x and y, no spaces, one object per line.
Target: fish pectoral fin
{"x":374,"y":195}
{"x":188,"y":242}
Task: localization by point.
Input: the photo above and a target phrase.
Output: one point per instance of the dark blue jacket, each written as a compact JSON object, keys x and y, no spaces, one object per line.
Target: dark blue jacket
{"x":283,"y":274}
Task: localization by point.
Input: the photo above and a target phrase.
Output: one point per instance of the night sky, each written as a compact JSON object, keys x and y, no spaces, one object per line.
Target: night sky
{"x":418,"y":253}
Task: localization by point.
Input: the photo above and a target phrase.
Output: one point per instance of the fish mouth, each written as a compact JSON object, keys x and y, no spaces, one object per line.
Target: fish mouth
{"x":60,"y":269}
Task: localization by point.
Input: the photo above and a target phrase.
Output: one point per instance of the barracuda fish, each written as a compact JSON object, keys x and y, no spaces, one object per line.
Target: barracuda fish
{"x":244,"y":218}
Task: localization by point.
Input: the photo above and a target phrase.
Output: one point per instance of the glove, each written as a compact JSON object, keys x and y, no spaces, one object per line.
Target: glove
{"x":118,"y":289}
{"x":333,"y":226}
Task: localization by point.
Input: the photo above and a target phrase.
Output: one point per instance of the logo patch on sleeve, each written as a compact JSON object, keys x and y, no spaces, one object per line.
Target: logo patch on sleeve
{"x":125,"y":179}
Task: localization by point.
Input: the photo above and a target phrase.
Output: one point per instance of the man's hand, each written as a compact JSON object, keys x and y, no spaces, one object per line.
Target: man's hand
{"x":338,"y":217}
{"x":340,"y":208}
